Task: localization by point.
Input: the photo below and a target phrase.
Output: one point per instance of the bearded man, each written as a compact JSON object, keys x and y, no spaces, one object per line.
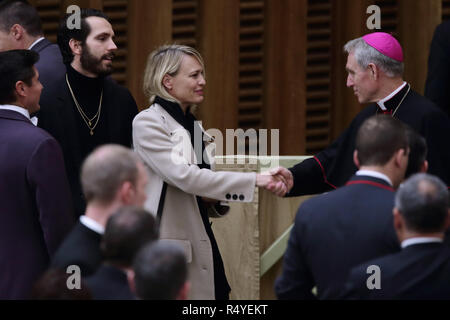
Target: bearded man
{"x":87,"y":108}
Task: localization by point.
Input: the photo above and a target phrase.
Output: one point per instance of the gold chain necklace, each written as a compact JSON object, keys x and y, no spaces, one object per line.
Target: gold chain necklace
{"x":83,"y":115}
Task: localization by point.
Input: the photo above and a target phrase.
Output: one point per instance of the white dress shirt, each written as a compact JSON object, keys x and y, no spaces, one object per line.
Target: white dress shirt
{"x":20,"y":110}
{"x":374,"y":174}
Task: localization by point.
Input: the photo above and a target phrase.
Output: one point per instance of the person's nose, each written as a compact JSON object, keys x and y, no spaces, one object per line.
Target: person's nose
{"x":349,"y":81}
{"x":202,"y":80}
{"x":112,"y":45}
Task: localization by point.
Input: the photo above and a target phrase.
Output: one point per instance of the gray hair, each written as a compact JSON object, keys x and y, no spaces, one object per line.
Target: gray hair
{"x":165,"y":60}
{"x":160,"y":271}
{"x":423,"y":202}
{"x":106,"y":169}
{"x":366,"y":54}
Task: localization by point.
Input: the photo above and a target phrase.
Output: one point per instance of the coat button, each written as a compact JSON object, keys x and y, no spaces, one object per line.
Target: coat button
{"x":235,"y":196}
{"x":228,"y":196}
{"x":241,"y":197}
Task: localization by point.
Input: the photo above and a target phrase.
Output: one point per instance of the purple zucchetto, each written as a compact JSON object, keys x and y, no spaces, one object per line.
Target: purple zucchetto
{"x":385,"y":44}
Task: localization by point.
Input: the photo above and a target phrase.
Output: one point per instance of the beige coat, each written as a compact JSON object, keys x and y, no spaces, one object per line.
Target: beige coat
{"x":165,"y":147}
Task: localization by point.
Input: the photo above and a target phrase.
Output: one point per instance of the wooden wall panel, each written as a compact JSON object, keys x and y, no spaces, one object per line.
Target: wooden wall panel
{"x":221,"y":54}
{"x":418,"y":20}
{"x":250,"y":64}
{"x":149,"y":26}
{"x":318,"y":75}
{"x":284,"y":72}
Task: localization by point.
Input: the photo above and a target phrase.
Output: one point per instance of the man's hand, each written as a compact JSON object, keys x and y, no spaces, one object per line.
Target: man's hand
{"x":286,"y":174}
{"x":276,"y":184}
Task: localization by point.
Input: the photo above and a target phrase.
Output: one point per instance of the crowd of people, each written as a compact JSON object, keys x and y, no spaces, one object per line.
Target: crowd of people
{"x":91,"y":185}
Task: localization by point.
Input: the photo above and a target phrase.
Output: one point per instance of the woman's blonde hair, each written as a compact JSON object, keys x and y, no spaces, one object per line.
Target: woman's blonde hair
{"x":165,"y":60}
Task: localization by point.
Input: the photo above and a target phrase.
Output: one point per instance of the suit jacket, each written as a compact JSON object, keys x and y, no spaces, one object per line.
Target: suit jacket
{"x":82,"y":248}
{"x":437,"y":86}
{"x":50,"y":66}
{"x":165,"y":147}
{"x":332,"y":167}
{"x":57,"y":116}
{"x":334,"y":232}
{"x":35,"y":204}
{"x":419,"y":271}
{"x":109,"y":283}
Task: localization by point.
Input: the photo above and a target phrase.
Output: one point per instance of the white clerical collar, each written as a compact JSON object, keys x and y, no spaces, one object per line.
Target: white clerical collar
{"x":382,"y":101}
{"x":36,"y":42}
{"x":374,"y":174}
{"x":20,"y":110}
{"x":92,"y":224}
{"x":419,"y":240}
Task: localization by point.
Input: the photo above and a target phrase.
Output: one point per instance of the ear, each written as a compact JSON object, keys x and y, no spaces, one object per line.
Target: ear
{"x":399,"y":158}
{"x":131,"y":283}
{"x":21,"y":89}
{"x":447,"y":220}
{"x":355,"y":158}
{"x":183,"y":293}
{"x":398,"y":221}
{"x":424,"y":166}
{"x":167,"y":82}
{"x":126,"y":193}
{"x":17,"y":31}
{"x":75,"y":46}
{"x":373,"y":71}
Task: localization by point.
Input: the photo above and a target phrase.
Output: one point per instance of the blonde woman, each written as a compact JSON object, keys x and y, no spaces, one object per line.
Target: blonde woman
{"x":182,"y":185}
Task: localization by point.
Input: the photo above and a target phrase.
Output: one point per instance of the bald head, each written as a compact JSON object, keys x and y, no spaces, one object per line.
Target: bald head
{"x":106,"y":169}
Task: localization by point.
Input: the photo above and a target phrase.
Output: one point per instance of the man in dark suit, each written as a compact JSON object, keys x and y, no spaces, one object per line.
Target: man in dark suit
{"x":422,"y":269}
{"x":127,"y":230}
{"x":20,"y":28}
{"x":87,"y":108}
{"x":340,"y":229}
{"x":35,"y":204}
{"x":112,"y":176}
{"x":437,"y":86}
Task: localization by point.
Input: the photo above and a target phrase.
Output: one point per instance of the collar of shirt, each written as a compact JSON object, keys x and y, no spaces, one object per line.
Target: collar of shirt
{"x":20,"y":110}
{"x":36,"y":42}
{"x":92,"y":224}
{"x":382,"y":101}
{"x":374,"y":174}
{"x":419,"y":240}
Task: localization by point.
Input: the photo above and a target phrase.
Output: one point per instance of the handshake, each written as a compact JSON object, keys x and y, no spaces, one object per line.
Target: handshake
{"x":279,"y":181}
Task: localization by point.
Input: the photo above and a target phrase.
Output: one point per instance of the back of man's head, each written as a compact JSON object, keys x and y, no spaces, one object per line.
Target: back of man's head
{"x":127,"y":231}
{"x":423,"y":202}
{"x":417,"y":152}
{"x":15,"y":65}
{"x":378,"y":139}
{"x":160,"y":271}
{"x":105,"y":170}
{"x":20,"y":12}
{"x":65,"y":32}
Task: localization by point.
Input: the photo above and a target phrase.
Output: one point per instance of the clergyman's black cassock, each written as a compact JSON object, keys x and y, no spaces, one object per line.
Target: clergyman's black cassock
{"x":332,"y":167}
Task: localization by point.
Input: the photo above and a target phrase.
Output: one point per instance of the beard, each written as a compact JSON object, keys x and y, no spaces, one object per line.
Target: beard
{"x":91,"y":63}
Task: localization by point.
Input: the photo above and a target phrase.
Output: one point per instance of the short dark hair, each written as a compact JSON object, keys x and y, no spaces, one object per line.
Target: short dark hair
{"x":160,"y":270}
{"x":423,"y":202}
{"x":126,"y":231}
{"x":65,"y":34}
{"x":20,"y":12}
{"x":417,"y":151}
{"x":15,"y":65}
{"x":378,"y":138}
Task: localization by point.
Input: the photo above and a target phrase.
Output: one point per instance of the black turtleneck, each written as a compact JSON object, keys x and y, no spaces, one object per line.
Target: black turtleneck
{"x":188,"y":121}
{"x":87,"y":91}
